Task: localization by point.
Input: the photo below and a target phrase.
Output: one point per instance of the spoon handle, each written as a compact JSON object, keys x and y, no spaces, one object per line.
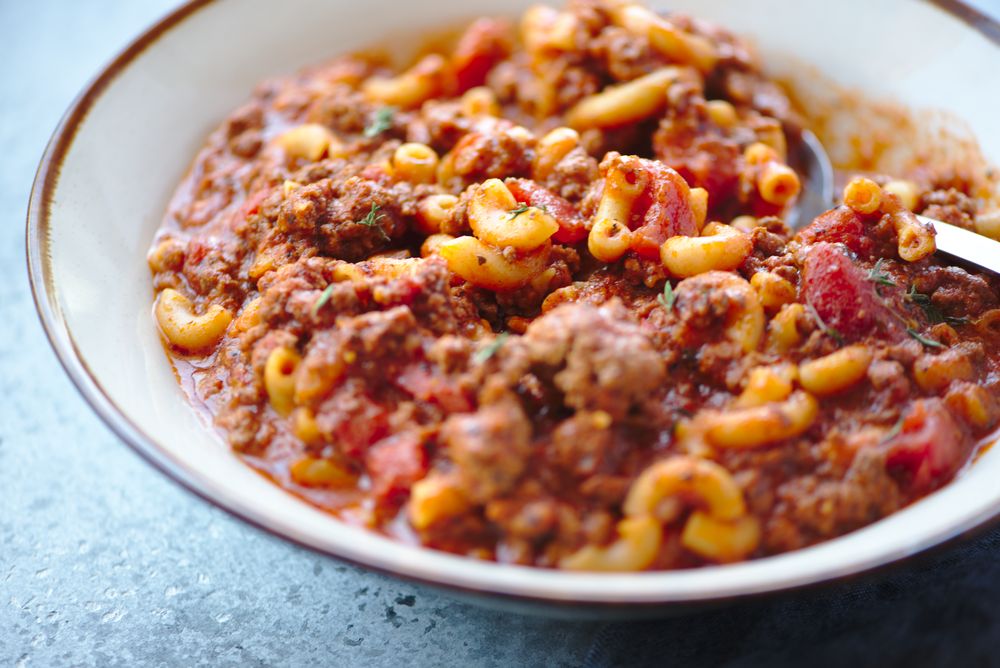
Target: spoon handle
{"x":965,"y":245}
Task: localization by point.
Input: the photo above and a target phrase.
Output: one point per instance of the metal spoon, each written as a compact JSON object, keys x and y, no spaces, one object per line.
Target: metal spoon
{"x":810,"y":159}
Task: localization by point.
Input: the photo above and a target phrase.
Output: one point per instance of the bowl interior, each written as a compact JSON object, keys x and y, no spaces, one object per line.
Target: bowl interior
{"x":107,"y":179}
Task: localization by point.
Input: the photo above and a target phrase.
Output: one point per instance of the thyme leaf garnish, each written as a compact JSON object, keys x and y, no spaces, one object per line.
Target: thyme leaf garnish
{"x":825,"y":328}
{"x":485,"y":353}
{"x":877,"y":276}
{"x":323,"y":299}
{"x":667,"y":297}
{"x":933,"y":313}
{"x":894,"y":431}
{"x":381,"y":122}
{"x":371,"y":220}
{"x":514,"y":213}
{"x":929,"y":343}
{"x":922,"y":300}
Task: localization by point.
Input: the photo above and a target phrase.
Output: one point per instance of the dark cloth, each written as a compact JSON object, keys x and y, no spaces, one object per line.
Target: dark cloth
{"x":940,"y":611}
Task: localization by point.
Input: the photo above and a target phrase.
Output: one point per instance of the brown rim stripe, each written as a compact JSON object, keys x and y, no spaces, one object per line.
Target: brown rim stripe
{"x":62,"y":138}
{"x":985,"y":24}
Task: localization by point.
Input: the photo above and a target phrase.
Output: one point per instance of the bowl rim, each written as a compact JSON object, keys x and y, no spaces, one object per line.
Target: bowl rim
{"x":43,"y":289}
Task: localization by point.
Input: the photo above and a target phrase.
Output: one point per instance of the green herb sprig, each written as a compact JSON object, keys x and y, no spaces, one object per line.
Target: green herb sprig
{"x":894,"y":431}
{"x":514,"y":213}
{"x":877,"y":276}
{"x":485,"y":353}
{"x":381,"y":122}
{"x":323,"y":299}
{"x":826,"y":329}
{"x":371,"y":220}
{"x":667,"y":297}
{"x":933,"y":313}
{"x":929,"y":343}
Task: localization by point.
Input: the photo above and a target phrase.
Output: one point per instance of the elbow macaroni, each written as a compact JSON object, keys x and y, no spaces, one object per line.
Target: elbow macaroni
{"x":759,"y":153}
{"x":766,"y":384}
{"x":545,"y":29}
{"x":778,"y":184}
{"x":664,"y":37}
{"x":479,"y":101}
{"x":166,"y":256}
{"x":434,"y":211}
{"x":608,"y":240}
{"x":722,"y":113}
{"x":934,"y":373}
{"x":915,"y":240}
{"x":313,"y":472}
{"x":183,"y":328}
{"x":720,"y":530}
{"x":762,"y":425}
{"x":279,"y":378}
{"x":433,"y":499}
{"x":719,"y":540}
{"x":392,"y":267}
{"x":720,"y":247}
{"x":487,"y":267}
{"x":638,"y":543}
{"x":432,"y":244}
{"x":624,"y":103}
{"x":773,"y":290}
{"x":248,"y":317}
{"x":974,"y":403}
{"x":835,"y":372}
{"x":684,"y":477}
{"x":552,"y":148}
{"x":304,"y":426}
{"x":906,"y":191}
{"x":698,"y":200}
{"x":495,"y":218}
{"x":863,"y":195}
{"x":310,"y":142}
{"x":783,"y":330}
{"x":411,"y":88}
{"x":416,"y":163}
{"x":610,"y":236}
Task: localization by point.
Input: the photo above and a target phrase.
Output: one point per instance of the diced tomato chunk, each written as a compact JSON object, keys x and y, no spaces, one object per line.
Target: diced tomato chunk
{"x":646,"y":241}
{"x":842,"y":225}
{"x":929,"y":447}
{"x":843,"y":296}
{"x":196,"y":252}
{"x":394,"y":464}
{"x":252,"y":203}
{"x":572,"y":226}
{"x":668,"y":211}
{"x":483,"y":44}
{"x":703,"y":161}
{"x":355,"y":422}
{"x":426,"y":386}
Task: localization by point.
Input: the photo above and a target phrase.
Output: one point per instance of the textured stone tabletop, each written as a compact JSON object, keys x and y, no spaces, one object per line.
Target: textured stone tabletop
{"x":103,"y":561}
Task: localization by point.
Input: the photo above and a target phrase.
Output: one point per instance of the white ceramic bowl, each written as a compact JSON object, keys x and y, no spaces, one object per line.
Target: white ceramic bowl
{"x":121,"y":149}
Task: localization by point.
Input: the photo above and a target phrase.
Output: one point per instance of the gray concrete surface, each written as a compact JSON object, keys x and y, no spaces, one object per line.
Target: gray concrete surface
{"x":105,"y":562}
